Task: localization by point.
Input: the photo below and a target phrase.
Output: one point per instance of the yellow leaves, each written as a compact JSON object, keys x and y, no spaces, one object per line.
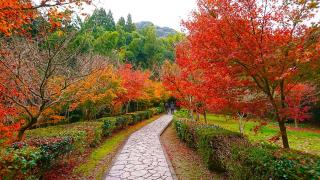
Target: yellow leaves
{"x":99,"y":87}
{"x":313,"y":5}
{"x":60,"y":33}
{"x":109,"y":88}
{"x":154,"y":91}
{"x":56,"y":85}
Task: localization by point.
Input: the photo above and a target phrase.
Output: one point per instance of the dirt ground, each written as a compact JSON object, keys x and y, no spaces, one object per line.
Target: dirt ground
{"x":186,"y":162}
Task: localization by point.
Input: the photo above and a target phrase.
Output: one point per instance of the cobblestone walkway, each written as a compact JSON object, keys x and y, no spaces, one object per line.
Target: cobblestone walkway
{"x":142,"y":156}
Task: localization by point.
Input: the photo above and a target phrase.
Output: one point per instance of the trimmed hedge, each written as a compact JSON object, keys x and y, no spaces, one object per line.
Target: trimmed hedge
{"x":226,"y":151}
{"x":24,"y":161}
{"x":111,"y":124}
{"x":45,"y":146}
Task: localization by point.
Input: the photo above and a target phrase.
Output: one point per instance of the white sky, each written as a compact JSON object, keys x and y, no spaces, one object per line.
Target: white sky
{"x":161,"y":12}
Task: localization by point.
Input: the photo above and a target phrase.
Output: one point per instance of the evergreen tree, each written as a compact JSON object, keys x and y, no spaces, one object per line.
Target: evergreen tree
{"x":130,"y":26}
{"x":100,"y":21}
{"x":111,"y":25}
{"x":121,"y":23}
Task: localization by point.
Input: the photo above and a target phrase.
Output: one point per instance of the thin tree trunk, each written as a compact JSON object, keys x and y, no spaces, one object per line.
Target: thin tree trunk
{"x":191,"y":114}
{"x":127,"y":107}
{"x":296,"y":123}
{"x":137,"y":106}
{"x":198,"y":116}
{"x":26,"y":127}
{"x":205,"y":117}
{"x":241,"y":122}
{"x":284,"y":136}
{"x":282,"y":123}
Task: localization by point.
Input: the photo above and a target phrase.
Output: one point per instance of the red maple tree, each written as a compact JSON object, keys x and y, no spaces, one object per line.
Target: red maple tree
{"x":14,"y":14}
{"x":299,"y":100}
{"x":133,"y":82}
{"x":9,"y":123}
{"x":259,"y":44}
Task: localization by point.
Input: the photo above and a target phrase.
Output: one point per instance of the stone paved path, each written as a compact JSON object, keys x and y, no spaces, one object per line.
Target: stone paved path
{"x":142,"y":156}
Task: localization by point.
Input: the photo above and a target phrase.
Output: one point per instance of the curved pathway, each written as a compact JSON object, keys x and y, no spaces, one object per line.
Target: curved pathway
{"x":142,"y":156}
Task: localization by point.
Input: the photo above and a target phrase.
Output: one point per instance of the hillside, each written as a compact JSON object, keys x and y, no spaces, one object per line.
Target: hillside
{"x":161,"y":31}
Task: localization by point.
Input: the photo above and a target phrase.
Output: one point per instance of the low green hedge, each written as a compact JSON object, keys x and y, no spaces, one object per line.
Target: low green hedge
{"x":30,"y":161}
{"x":111,"y":124}
{"x":226,"y":151}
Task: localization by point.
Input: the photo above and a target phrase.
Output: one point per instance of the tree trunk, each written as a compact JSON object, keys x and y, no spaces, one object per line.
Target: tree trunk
{"x":127,"y":107}
{"x":191,"y":114}
{"x":241,"y":123}
{"x":284,"y":136}
{"x":26,"y":127}
{"x":205,"y":117}
{"x":137,"y":106}
{"x":198,"y":116}
{"x":296,"y":123}
{"x":282,"y":124}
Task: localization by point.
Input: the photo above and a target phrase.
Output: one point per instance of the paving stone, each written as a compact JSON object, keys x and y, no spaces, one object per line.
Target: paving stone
{"x":142,"y":156}
{"x":112,"y":178}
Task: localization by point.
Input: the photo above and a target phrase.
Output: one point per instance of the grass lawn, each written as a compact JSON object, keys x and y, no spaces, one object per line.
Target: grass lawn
{"x":302,"y":139}
{"x":64,"y":130}
{"x":99,"y":161}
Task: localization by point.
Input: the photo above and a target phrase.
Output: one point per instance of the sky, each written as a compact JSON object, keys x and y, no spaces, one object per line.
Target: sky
{"x":161,"y":12}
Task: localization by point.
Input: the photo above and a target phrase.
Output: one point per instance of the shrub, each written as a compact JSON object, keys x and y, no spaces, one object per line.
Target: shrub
{"x":108,"y":126}
{"x":267,"y":161}
{"x":160,"y":110}
{"x":30,"y":161}
{"x":154,"y":111}
{"x":135,"y":117}
{"x":45,"y":146}
{"x":111,"y":124}
{"x":123,"y":121}
{"x":184,"y":131}
{"x":183,"y":113}
{"x":226,"y":151}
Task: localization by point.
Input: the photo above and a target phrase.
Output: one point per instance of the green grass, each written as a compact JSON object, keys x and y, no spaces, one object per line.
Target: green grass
{"x":63,"y":130}
{"x":302,"y":140}
{"x":108,"y":147}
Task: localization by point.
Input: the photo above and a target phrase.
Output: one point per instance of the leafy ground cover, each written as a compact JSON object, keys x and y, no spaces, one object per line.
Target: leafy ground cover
{"x":303,"y":139}
{"x":187,"y":163}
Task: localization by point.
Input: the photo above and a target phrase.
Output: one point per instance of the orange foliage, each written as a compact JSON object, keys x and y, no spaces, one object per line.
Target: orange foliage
{"x":100,"y":87}
{"x":14,"y":14}
{"x":133,"y":81}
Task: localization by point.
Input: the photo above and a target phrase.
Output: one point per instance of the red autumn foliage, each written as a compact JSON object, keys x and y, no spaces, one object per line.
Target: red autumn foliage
{"x":8,"y":124}
{"x":248,"y":47}
{"x":299,"y":101}
{"x":14,"y":14}
{"x":133,"y":81}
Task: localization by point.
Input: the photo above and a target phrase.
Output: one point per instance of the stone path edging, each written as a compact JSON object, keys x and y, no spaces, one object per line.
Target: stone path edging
{"x":142,"y":156}
{"x":173,"y":173}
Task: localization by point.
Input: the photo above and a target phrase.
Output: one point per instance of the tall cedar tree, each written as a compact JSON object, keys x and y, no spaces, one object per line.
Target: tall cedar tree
{"x":130,"y":26}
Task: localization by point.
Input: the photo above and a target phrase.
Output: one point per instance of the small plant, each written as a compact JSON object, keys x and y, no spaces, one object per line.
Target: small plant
{"x":108,"y":126}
